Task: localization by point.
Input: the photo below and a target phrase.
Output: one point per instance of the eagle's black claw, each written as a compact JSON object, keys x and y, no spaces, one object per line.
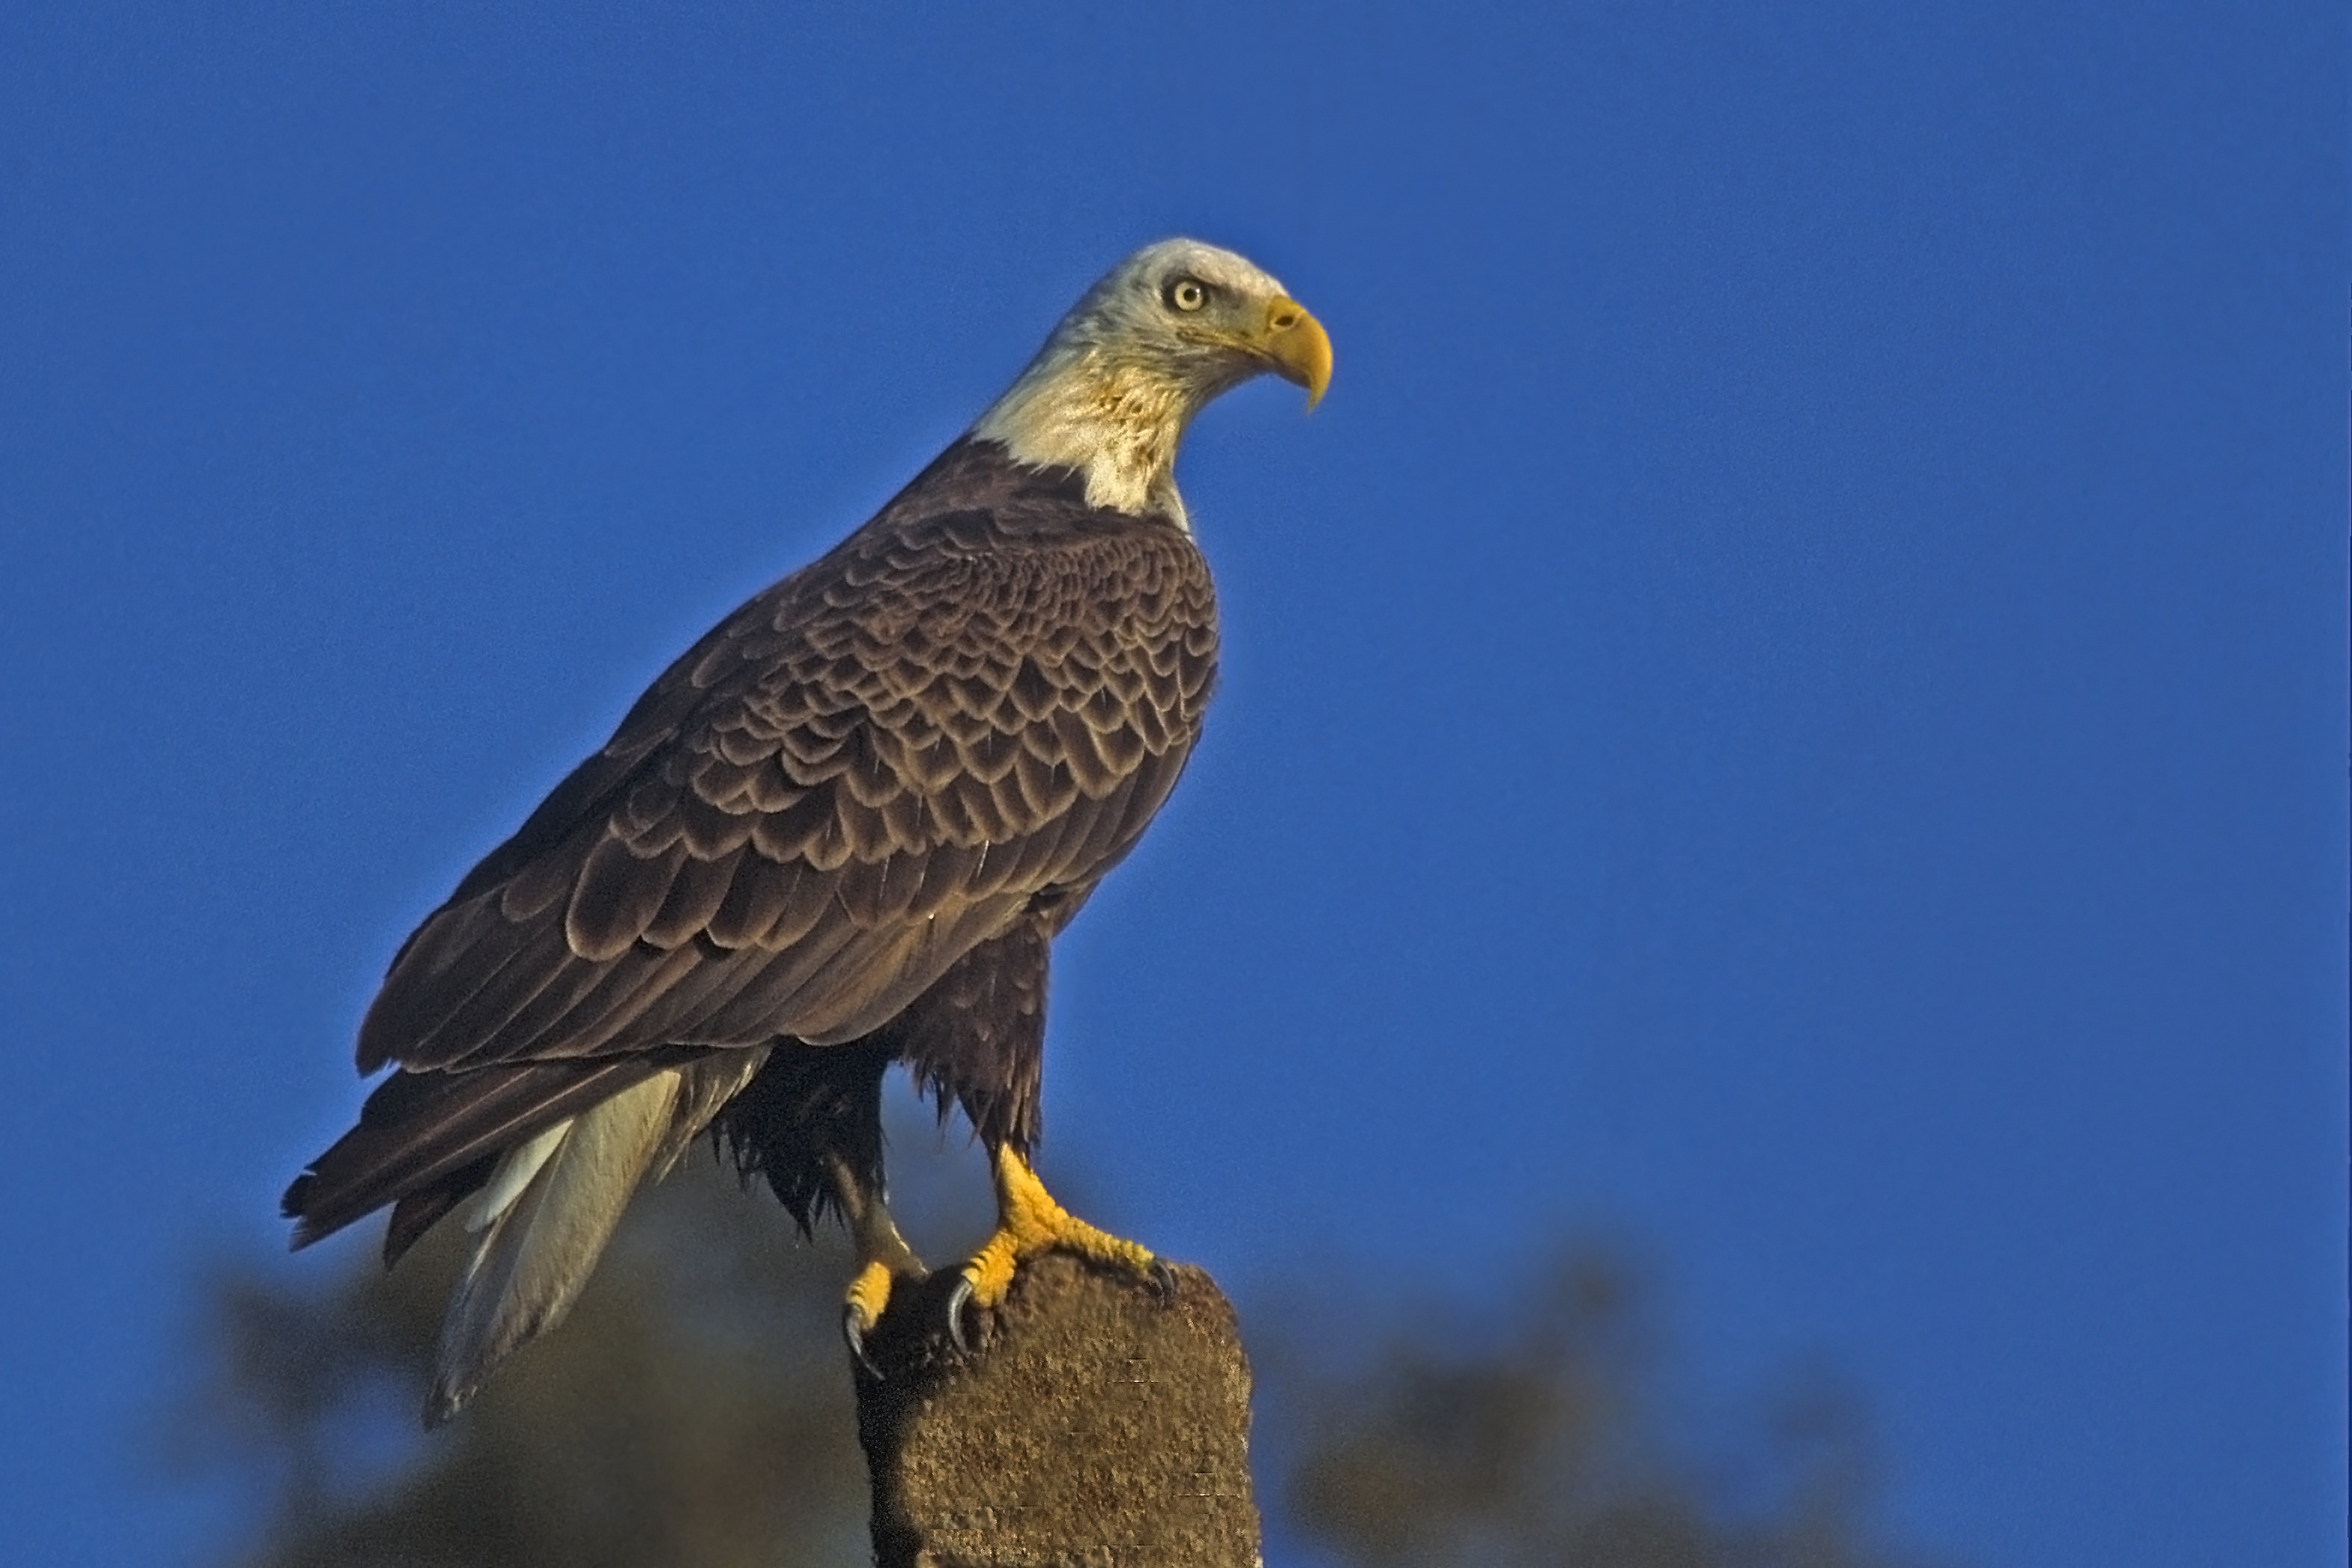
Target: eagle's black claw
{"x":851,"y":1332}
{"x":956,"y":1300}
{"x":1163,"y":1280}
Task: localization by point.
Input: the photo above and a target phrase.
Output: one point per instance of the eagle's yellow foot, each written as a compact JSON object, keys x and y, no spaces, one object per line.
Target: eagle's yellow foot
{"x":1029,"y":1222}
{"x":883,"y":1259}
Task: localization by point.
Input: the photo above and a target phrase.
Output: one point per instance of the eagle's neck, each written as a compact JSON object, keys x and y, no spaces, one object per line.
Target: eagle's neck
{"x":1117,"y":422}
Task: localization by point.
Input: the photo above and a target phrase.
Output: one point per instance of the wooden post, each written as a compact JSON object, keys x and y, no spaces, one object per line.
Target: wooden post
{"x":1098,"y":1427}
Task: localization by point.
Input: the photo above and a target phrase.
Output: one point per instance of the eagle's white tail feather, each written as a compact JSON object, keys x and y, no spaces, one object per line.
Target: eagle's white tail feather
{"x":565,"y":1193}
{"x":515,"y":1170}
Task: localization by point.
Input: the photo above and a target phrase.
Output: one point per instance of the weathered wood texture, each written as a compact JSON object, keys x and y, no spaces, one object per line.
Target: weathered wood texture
{"x":1099,"y":1427}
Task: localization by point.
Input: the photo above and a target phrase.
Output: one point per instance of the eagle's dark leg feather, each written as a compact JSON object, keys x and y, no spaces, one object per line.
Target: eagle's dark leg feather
{"x":977,"y":1038}
{"x":811,"y":1123}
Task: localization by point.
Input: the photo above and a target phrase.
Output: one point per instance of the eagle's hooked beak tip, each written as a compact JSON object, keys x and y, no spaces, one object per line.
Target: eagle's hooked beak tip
{"x":1298,"y":348}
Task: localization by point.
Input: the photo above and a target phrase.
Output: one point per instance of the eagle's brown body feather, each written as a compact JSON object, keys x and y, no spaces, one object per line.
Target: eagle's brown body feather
{"x":842,"y":828}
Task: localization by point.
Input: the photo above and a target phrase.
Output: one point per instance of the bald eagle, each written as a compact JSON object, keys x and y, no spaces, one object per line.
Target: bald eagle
{"x":840,"y":832}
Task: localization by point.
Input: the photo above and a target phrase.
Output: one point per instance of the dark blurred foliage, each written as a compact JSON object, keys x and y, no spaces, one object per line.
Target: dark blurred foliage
{"x":697,"y":1409}
{"x":1543,"y":1441}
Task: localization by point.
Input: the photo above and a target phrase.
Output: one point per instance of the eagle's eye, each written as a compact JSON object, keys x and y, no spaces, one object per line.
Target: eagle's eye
{"x":1187,"y":294}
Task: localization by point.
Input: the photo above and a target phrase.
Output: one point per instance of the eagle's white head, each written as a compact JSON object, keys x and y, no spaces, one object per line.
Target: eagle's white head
{"x":1147,"y":348}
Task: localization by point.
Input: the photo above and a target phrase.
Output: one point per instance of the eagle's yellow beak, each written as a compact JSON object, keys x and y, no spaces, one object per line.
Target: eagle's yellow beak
{"x":1296,"y":346}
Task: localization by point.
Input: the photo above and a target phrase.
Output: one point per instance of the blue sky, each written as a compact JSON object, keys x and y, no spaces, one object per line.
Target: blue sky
{"x":1791,"y":702}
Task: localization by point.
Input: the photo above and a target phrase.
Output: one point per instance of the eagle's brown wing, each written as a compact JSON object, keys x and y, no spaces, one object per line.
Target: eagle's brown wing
{"x":981,"y":696}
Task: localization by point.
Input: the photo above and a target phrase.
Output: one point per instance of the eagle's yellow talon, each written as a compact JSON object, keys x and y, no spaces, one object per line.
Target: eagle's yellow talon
{"x":1029,"y":1222}
{"x":869,"y":1294}
{"x":989,"y":1272}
